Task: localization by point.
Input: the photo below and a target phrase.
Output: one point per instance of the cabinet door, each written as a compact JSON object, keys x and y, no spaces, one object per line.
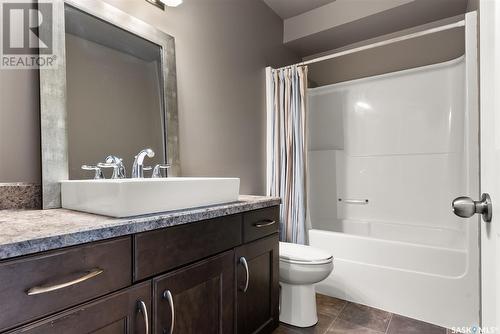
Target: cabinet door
{"x":258,"y":286}
{"x":196,"y":299}
{"x":124,"y":312}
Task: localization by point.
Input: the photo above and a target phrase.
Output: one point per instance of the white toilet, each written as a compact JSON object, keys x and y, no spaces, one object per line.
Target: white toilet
{"x":300,"y":268}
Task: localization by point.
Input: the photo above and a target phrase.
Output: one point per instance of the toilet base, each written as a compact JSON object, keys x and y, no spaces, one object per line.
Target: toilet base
{"x":298,"y":305}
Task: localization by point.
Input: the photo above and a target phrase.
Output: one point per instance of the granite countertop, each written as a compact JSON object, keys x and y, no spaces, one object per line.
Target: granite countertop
{"x":25,"y":232}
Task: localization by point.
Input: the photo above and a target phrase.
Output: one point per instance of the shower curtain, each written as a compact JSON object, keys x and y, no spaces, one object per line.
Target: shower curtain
{"x":288,"y":150}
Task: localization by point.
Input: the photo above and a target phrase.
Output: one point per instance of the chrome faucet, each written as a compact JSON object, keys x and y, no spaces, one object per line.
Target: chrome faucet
{"x":138,"y":167}
{"x":117,"y":165}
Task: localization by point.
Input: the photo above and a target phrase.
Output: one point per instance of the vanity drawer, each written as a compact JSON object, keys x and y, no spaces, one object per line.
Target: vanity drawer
{"x":36,"y":286}
{"x":260,"y":223}
{"x":162,"y":250}
{"x":126,"y":311}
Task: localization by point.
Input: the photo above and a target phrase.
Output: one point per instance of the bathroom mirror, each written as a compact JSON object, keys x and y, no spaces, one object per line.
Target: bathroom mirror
{"x":115,"y":95}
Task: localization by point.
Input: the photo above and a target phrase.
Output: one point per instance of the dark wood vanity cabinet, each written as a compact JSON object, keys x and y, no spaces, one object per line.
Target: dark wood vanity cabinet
{"x":216,"y":276}
{"x":257,"y":300}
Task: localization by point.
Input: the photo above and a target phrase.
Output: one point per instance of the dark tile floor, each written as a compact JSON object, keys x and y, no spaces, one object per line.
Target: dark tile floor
{"x":339,"y":316}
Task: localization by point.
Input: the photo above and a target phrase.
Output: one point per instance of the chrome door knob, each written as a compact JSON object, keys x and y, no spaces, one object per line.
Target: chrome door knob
{"x":465,"y":207}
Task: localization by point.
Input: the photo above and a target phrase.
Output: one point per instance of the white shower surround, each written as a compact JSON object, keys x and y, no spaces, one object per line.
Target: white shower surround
{"x":404,"y":141}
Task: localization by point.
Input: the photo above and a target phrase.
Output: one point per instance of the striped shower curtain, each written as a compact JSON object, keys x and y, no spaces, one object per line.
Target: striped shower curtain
{"x":288,"y":166}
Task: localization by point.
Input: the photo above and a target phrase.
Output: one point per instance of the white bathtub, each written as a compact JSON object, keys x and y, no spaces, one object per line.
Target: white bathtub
{"x":419,"y":280}
{"x":417,"y":234}
{"x":400,"y":147}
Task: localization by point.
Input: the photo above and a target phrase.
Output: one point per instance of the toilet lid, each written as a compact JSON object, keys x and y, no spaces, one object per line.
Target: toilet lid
{"x":302,"y":253}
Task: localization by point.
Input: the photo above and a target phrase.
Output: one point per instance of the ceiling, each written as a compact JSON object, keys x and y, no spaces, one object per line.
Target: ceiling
{"x":289,"y":8}
{"x":344,"y":22}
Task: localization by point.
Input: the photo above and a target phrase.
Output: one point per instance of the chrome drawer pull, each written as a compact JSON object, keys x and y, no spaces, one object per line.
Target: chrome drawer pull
{"x":243,"y":261}
{"x":265,"y":223}
{"x":144,"y":310}
{"x":168,"y":296}
{"x":37,"y":290}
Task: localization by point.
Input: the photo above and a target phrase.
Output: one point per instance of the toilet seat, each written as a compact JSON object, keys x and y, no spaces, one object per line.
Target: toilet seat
{"x":302,"y":254}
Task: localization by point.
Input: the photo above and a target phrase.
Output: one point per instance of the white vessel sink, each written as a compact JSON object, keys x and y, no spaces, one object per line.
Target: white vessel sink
{"x":133,"y":197}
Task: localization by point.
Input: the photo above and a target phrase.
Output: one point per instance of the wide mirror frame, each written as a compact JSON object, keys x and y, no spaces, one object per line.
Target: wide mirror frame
{"x":53,"y":112}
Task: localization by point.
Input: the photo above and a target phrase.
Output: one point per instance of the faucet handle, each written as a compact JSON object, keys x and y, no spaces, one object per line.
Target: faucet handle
{"x":119,"y":169}
{"x":116,"y":170}
{"x":97,"y":171}
{"x":107,"y":165}
{"x":157,"y":170}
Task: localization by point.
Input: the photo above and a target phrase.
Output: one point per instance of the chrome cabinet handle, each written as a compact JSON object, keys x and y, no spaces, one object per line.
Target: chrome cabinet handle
{"x":279,"y":301}
{"x":37,"y":290}
{"x":265,"y":223}
{"x":144,"y":310}
{"x":168,"y":296}
{"x":244,"y":262}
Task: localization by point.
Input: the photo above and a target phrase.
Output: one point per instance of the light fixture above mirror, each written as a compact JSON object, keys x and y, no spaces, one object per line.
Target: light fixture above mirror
{"x":162,"y":3}
{"x":171,"y":3}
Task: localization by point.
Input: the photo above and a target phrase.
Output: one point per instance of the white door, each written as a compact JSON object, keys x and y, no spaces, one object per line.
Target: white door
{"x":490,"y":158}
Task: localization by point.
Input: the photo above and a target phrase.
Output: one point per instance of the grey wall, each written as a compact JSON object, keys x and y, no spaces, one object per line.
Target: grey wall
{"x":472,"y":5}
{"x":19,"y":126}
{"x":416,"y":52}
{"x":223,"y":47}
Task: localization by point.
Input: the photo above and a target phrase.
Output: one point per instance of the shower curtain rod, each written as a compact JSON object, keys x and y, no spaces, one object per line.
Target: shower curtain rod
{"x":457,"y":24}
